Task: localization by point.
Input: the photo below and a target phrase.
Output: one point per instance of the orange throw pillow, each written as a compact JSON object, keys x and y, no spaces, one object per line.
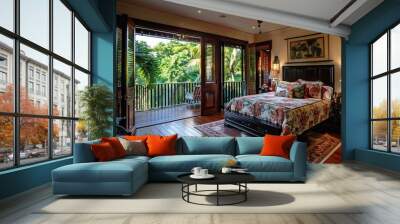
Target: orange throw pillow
{"x":161,"y":145}
{"x":116,"y":145}
{"x":103,"y":152}
{"x":135,"y":137}
{"x":277,"y":145}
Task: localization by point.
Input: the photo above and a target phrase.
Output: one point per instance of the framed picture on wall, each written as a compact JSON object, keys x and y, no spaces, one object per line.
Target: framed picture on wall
{"x":310,"y":48}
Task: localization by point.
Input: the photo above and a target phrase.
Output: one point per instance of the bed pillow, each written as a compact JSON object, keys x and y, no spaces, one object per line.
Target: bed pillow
{"x":327,"y":92}
{"x":296,"y":90}
{"x":282,"y":89}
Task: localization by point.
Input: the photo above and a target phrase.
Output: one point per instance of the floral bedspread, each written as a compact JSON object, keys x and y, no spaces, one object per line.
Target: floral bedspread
{"x":294,"y":115}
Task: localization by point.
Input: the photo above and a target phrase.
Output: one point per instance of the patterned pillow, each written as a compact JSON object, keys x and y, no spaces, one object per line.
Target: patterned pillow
{"x":282,"y":89}
{"x":312,"y":89}
{"x":327,"y":92}
{"x":296,"y":91}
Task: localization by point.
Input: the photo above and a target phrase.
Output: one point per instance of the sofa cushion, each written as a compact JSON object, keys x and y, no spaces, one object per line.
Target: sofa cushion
{"x":257,"y":163}
{"x":185,"y":163}
{"x":249,"y":145}
{"x":104,"y":152}
{"x":112,"y":171}
{"x":207,"y":145}
{"x":161,"y":145}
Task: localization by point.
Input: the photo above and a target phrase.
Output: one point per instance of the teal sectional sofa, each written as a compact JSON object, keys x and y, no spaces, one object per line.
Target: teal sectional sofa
{"x":125,"y":176}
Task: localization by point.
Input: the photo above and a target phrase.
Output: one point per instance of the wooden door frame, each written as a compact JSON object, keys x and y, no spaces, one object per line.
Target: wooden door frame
{"x":217,"y":76}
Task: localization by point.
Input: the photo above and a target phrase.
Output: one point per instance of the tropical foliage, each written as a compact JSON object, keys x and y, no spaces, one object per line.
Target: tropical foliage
{"x":175,"y":61}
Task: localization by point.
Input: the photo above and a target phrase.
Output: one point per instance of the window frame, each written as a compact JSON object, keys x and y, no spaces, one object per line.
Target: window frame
{"x":388,"y":74}
{"x":16,"y":114}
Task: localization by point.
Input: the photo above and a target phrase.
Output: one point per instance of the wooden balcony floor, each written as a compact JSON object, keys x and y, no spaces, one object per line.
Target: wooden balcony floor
{"x":164,"y":115}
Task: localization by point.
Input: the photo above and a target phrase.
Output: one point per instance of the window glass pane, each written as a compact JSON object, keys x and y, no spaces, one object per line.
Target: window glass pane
{"x":395,"y":47}
{"x":35,"y":21}
{"x":62,"y":138}
{"x":33,"y":140}
{"x":81,"y":45}
{"x":379,"y":135}
{"x":62,"y":29}
{"x":6,"y":142}
{"x":210,"y":63}
{"x":6,"y":74}
{"x":379,"y":55}
{"x":81,"y":131}
{"x":379,"y":98}
{"x":34,"y":96}
{"x":7,"y":14}
{"x":62,"y":89}
{"x":395,"y":95}
{"x":81,"y":82}
{"x":395,"y":136}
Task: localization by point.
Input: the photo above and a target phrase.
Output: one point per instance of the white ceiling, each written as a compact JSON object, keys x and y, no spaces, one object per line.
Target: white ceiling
{"x":319,"y":9}
{"x":236,"y":22}
{"x":314,"y":15}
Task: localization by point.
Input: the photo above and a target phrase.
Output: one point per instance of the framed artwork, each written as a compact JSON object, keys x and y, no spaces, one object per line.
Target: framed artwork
{"x":310,"y":48}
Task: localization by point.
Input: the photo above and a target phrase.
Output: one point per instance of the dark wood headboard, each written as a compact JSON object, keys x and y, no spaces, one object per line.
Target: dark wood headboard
{"x":324,"y":73}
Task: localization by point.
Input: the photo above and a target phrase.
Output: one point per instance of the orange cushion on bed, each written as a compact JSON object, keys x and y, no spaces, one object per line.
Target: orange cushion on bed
{"x":103,"y":152}
{"x":161,"y":145}
{"x":116,"y":145}
{"x":277,"y":145}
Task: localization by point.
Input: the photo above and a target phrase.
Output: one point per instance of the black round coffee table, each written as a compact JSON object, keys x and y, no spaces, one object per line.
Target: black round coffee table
{"x":238,"y":179}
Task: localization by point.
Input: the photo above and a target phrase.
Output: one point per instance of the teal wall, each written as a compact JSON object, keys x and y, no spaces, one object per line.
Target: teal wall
{"x":100,"y":16}
{"x":355,"y":72}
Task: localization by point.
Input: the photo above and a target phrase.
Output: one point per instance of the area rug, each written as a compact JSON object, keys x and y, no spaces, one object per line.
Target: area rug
{"x":322,"y":147}
{"x":166,"y":198}
{"x":218,"y":129}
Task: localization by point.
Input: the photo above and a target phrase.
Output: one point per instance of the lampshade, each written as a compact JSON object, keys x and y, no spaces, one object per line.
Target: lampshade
{"x":276,"y":65}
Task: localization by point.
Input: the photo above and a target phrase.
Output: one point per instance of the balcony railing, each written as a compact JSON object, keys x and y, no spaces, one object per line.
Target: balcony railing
{"x":160,"y":95}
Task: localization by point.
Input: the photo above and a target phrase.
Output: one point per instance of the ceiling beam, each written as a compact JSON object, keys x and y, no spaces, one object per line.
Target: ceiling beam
{"x":346,"y":12}
{"x":268,"y":15}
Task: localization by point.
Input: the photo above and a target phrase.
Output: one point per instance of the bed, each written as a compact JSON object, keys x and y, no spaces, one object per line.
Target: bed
{"x":266,"y":113}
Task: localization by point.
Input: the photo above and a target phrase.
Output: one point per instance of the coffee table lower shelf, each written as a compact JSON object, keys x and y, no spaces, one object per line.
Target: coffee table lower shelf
{"x":219,"y":193}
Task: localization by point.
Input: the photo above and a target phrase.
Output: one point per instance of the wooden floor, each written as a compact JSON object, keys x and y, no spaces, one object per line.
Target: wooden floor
{"x":376,"y":189}
{"x":185,"y":127}
{"x":158,"y":116}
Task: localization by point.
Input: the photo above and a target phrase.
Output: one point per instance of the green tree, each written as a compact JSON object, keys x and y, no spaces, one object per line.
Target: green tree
{"x":232,"y":64}
{"x":147,"y":65}
{"x":179,"y":61}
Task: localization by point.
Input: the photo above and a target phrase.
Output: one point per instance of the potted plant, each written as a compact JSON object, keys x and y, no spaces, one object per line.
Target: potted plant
{"x":96,"y":103}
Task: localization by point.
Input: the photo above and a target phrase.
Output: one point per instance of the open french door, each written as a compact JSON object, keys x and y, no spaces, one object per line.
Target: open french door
{"x":125,"y":89}
{"x":210,"y":76}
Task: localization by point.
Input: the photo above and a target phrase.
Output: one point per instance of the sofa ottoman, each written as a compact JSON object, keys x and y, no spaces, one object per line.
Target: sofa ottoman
{"x":118,"y":177}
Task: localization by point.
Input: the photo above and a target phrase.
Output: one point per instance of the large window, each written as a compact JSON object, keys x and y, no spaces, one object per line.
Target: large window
{"x":44,"y":64}
{"x":385,"y":93}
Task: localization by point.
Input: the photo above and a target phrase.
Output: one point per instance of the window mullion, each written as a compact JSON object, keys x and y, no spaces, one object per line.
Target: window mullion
{"x":389,"y":106}
{"x":16,"y":85}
